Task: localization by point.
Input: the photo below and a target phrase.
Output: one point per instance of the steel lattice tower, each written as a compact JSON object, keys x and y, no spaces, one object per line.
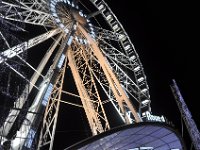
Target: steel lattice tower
{"x":86,"y":38}
{"x":186,"y":115}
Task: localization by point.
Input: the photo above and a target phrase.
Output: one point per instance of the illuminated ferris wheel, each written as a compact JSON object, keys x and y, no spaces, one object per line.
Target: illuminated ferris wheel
{"x":84,"y":37}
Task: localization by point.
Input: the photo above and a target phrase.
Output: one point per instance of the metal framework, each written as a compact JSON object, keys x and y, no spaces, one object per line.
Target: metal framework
{"x":186,"y":115}
{"x":51,"y":113}
{"x":103,"y":61}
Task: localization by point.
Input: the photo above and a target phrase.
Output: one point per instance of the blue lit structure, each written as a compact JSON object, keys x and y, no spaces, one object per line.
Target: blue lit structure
{"x":187,"y":117}
{"x":145,"y":136}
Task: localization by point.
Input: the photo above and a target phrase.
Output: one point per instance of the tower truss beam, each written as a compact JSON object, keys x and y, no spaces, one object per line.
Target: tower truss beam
{"x":89,"y":104}
{"x":47,"y":132}
{"x":57,"y":70}
{"x":5,"y":129}
{"x":116,"y":87}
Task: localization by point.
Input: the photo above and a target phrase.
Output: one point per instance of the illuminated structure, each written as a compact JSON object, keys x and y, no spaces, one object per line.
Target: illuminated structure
{"x":141,"y":136}
{"x":187,"y":117}
{"x":86,"y":37}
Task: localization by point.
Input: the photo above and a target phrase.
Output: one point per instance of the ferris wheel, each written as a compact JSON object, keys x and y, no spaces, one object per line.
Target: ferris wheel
{"x":84,"y":37}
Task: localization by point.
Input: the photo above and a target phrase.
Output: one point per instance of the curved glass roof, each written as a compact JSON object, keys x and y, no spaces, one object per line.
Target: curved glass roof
{"x":140,"y":136}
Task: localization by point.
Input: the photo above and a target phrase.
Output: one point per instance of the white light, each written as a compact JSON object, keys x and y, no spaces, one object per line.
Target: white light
{"x":66,"y":30}
{"x":9,"y":53}
{"x":85,"y":41}
{"x":109,"y":17}
{"x":127,"y":47}
{"x":16,"y":143}
{"x":30,"y":138}
{"x":115,"y":26}
{"x":144,"y":90}
{"x":141,"y":79}
{"x":73,"y":4}
{"x":53,"y":2}
{"x":70,"y":41}
{"x":81,"y":13}
{"x":53,"y":10}
{"x":57,"y":20}
{"x":132,"y":58}
{"x":37,"y":99}
{"x":137,"y":68}
{"x":68,"y":2}
{"x":52,"y":5}
{"x":75,"y":26}
{"x":81,"y":41}
{"x":61,"y":25}
{"x":145,"y":102}
{"x":101,"y":6}
{"x":55,"y":15}
{"x":93,"y":36}
{"x":92,"y":32}
{"x":60,"y":63}
{"x":146,"y":148}
{"x":47,"y":94}
{"x":91,"y":28}
{"x":142,"y":148}
{"x":121,"y":36}
{"x":76,"y":38}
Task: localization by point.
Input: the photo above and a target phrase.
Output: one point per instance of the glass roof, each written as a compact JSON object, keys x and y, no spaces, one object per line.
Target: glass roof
{"x":141,"y":136}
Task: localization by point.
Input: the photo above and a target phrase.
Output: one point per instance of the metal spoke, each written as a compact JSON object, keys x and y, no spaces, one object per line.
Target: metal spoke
{"x":16,"y":50}
{"x":22,"y":76}
{"x":6,"y":42}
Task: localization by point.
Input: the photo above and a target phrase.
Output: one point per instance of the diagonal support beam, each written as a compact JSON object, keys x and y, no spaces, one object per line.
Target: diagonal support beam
{"x":117,"y":89}
{"x":51,"y":113}
{"x":16,"y":50}
{"x":93,"y":121}
{"x":6,"y":127}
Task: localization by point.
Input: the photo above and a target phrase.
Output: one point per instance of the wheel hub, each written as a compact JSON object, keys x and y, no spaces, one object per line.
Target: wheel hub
{"x":66,"y":13}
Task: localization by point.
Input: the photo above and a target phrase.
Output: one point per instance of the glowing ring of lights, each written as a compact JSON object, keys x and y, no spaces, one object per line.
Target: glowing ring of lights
{"x":75,"y":8}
